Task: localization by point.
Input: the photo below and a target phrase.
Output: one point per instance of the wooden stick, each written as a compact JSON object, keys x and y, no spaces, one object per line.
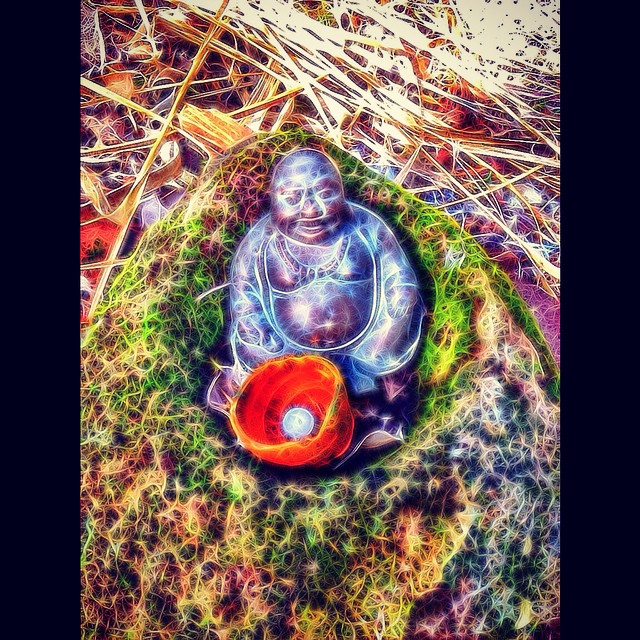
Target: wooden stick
{"x":126,"y":210}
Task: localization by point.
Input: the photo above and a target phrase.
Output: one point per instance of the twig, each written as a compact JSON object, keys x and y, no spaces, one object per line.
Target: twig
{"x":125,"y":211}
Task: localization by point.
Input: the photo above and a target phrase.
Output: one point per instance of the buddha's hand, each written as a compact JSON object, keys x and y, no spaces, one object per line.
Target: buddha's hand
{"x":254,"y":332}
{"x":401,"y":298}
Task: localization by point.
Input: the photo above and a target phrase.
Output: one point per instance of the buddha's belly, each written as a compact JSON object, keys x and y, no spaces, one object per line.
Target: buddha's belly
{"x":324,"y":314}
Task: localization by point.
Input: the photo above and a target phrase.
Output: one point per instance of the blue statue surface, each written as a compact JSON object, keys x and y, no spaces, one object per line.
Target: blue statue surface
{"x":318,"y":274}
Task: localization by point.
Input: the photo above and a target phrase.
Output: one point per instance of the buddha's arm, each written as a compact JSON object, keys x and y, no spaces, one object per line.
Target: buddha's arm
{"x":395,"y":334}
{"x":400,"y":295}
{"x":253,"y":337}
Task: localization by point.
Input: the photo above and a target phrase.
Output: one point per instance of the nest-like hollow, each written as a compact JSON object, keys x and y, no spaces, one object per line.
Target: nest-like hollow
{"x":401,"y":86}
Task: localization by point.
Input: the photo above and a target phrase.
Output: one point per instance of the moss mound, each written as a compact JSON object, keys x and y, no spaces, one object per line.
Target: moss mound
{"x":184,"y":535}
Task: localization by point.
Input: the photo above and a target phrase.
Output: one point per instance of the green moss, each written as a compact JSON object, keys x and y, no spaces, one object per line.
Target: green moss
{"x":146,"y":364}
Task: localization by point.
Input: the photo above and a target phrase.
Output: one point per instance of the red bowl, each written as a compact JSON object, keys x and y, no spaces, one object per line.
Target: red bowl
{"x":307,"y":391}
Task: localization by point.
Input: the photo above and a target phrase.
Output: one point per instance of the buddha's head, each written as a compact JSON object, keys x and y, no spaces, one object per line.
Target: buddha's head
{"x":307,"y":198}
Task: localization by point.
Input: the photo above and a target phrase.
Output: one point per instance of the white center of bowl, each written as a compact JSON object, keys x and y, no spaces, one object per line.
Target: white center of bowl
{"x":297,"y":422}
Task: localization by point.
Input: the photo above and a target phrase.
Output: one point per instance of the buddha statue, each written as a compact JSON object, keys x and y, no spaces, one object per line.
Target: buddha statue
{"x":320,"y":275}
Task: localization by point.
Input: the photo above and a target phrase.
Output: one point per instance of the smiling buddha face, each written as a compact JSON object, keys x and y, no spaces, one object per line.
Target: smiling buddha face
{"x":307,"y":198}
